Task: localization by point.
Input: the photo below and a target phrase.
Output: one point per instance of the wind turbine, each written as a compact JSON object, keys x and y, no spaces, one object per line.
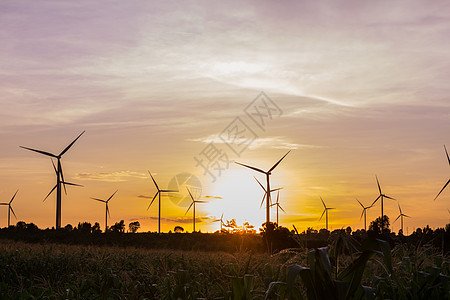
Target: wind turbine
{"x":401,"y":215}
{"x":158,"y":193}
{"x":59,"y":177}
{"x":364,"y":212}
{"x":325,"y":211}
{"x":193,"y":204}
{"x":277,"y":204}
{"x":267,"y":173}
{"x":56,"y":185}
{"x":107,"y":208}
{"x":382,"y":196}
{"x":10,"y":209}
{"x":265,"y":192}
{"x":221,"y":222}
{"x":448,"y":159}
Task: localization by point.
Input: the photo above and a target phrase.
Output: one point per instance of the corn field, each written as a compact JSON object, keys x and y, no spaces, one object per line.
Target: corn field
{"x":374,"y":271}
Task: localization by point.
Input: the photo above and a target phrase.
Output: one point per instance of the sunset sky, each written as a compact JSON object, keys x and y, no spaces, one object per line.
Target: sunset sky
{"x":362,"y":90}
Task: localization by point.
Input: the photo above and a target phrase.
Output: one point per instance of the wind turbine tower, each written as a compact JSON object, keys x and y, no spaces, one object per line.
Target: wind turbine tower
{"x":107,"y":208}
{"x":158,"y":193}
{"x":267,"y":173}
{"x":10,"y":209}
{"x":59,"y":177}
{"x":193,"y":204}
{"x":325,"y":211}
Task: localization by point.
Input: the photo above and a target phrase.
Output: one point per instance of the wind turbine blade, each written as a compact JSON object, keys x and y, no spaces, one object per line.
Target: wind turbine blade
{"x":70,"y":145}
{"x":253,"y":168}
{"x":260,"y":184}
{"x":442,"y":189}
{"x":62,"y":176}
{"x":73,"y":184}
{"x":54,"y":168}
{"x":189,"y":208}
{"x":262,"y":202}
{"x":112,"y":196}
{"x":98,"y":200}
{"x":154,"y":197}
{"x":13,"y":197}
{"x":407,"y":216}
{"x":399,"y":208}
{"x":323,"y":203}
{"x":375,"y":201}
{"x":397,"y":218}
{"x":170,"y":191}
{"x":378,"y":183}
{"x":331,"y":207}
{"x":281,"y":208}
{"x":221,"y":217}
{"x":388,"y":197}
{"x":190,"y":194}
{"x":322,"y":214}
{"x":4,"y":204}
{"x":360,"y":203}
{"x":49,"y":193}
{"x":275,"y":165}
{"x":448,"y":158}
{"x":157,"y":187}
{"x":277,"y":189}
{"x":200,"y":201}
{"x":40,"y":151}
{"x":362,"y":214}
{"x":278,"y":196}
{"x":12,"y":210}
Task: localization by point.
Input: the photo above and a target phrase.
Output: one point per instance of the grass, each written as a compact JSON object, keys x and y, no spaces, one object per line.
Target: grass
{"x":373,"y":271}
{"x":86,"y":272}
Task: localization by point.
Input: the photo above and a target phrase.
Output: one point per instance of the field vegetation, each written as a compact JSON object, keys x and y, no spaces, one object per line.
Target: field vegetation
{"x":276,"y":264}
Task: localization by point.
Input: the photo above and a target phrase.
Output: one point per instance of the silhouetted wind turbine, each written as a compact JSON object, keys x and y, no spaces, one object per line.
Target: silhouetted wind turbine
{"x":158,"y":193}
{"x":325,"y":211}
{"x":277,"y":204}
{"x":221,"y":222}
{"x":382,"y":196}
{"x":10,"y":209}
{"x":265,"y":192}
{"x":193,"y":204}
{"x":401,"y":215}
{"x":56,"y":185}
{"x":364,"y":212}
{"x":267,"y":173}
{"x":59,"y":177}
{"x":107,"y":208}
{"x":448,"y":159}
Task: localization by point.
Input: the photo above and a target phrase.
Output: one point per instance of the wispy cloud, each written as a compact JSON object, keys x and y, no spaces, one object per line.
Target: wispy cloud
{"x":117,"y":176}
{"x":212,"y":197}
{"x":276,"y":142}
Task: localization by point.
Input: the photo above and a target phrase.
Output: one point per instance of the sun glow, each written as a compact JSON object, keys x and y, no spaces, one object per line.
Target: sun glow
{"x":240,"y":198}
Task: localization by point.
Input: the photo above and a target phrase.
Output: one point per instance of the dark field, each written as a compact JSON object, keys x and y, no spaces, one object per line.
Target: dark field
{"x":371,"y":270}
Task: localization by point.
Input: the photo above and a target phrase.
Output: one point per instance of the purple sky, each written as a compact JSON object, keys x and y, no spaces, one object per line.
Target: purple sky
{"x":363,"y":87}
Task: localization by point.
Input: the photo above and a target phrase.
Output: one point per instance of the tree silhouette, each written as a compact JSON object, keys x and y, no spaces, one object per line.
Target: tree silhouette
{"x":84,"y":227}
{"x":96,"y":228}
{"x":134,"y":226}
{"x":118,"y":227}
{"x":380,"y":225}
{"x":178,"y":229}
